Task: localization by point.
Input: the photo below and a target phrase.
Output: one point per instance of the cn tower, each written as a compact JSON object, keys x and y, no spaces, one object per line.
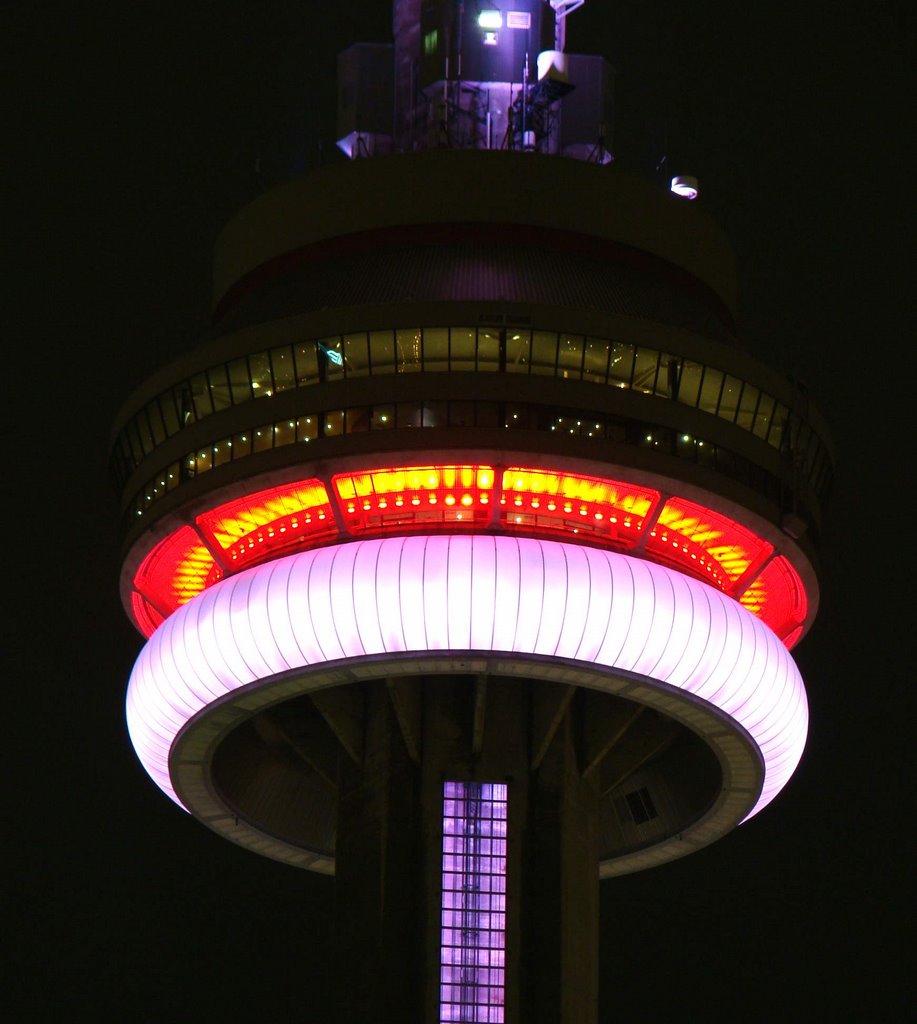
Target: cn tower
{"x":470,"y":545}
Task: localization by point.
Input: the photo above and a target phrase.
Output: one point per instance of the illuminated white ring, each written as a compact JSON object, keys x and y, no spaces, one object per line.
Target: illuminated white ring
{"x":468,"y":594}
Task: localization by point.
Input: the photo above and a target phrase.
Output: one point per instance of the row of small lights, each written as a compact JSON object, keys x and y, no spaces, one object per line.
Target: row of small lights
{"x":205,"y":455}
{"x":268,"y":532}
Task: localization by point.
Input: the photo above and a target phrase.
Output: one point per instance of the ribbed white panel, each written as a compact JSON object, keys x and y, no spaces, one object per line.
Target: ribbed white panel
{"x":498,"y":594}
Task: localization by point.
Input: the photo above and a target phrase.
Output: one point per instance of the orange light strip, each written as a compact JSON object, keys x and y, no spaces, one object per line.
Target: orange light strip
{"x":708,"y":545}
{"x":384,"y":499}
{"x":607,"y":511}
{"x":260,"y":525}
{"x":276,"y":521}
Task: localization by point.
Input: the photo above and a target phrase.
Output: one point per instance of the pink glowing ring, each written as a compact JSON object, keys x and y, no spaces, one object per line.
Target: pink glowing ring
{"x":459,"y":594}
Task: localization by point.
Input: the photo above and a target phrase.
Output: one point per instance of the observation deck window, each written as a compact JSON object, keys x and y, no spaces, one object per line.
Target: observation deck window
{"x":462,"y":356}
{"x":333,"y":423}
{"x":220,"y":393}
{"x":570,"y":356}
{"x":748,"y":403}
{"x":382,"y":351}
{"x":282,"y":368}
{"x":356,"y":354}
{"x":436,"y":350}
{"x":408,"y":346}
{"x":689,"y":382}
{"x":488,"y":350}
{"x":240,"y":382}
{"x":595,"y":359}
{"x":711,"y":386}
{"x":262,"y":381}
{"x":518,"y":351}
{"x":544,"y":353}
{"x":307,"y":428}
{"x":729,"y":398}
{"x":621,"y":364}
{"x":306,"y":359}
{"x":646,"y":364}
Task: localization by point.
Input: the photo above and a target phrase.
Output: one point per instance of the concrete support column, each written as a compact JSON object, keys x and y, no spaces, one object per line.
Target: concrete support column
{"x":560,"y":890}
{"x":379,"y":884}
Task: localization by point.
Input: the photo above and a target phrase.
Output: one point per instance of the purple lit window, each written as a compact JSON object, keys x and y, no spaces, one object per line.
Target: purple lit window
{"x":473,"y":949}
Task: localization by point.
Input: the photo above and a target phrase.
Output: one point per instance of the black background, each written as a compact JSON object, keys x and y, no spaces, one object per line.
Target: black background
{"x":132,"y":132}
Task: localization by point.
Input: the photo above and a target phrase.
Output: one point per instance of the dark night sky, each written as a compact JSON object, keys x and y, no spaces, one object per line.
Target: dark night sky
{"x":131,"y":134}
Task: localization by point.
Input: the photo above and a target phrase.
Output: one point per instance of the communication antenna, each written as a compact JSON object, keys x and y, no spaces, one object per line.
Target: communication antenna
{"x":561,"y":9}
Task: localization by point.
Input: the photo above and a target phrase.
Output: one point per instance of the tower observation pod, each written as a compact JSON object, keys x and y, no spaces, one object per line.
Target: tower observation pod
{"x":470,"y":548}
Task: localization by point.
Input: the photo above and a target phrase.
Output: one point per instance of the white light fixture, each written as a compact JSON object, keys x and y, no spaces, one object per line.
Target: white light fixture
{"x":685,"y":186}
{"x":490,"y":19}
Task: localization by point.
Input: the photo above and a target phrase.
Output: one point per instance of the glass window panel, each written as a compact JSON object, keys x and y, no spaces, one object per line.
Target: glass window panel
{"x":240,"y":384}
{"x":222,"y":452}
{"x":710,"y":389}
{"x":518,"y":351}
{"x":283,"y":368}
{"x":407,"y":350}
{"x":260,"y":366}
{"x":729,"y":398}
{"x":544,"y":352}
{"x":263,"y":439}
{"x":241,"y":444}
{"x":331,"y":355}
{"x":134,"y":439}
{"x":306,"y":360}
{"x":284,"y":432}
{"x":156,"y":424}
{"x":333,"y":423}
{"x":488,"y":350}
{"x":706,"y":453}
{"x":595,"y":359}
{"x":488,"y":414}
{"x":124,"y":447}
{"x":763,"y":416}
{"x":184,"y":404}
{"x":778,"y":426}
{"x":461,"y":414}
{"x":169,"y":413}
{"x":462,"y":354}
{"x":409,"y":414}
{"x":435,"y":414}
{"x":383,"y":417}
{"x":436,"y":349}
{"x":356,"y":420}
{"x":307,"y":428}
{"x":143,"y":431}
{"x":645,"y":366}
{"x":668,"y":377}
{"x":621,"y":364}
{"x":200,"y":394}
{"x":382,"y":351}
{"x":689,"y":381}
{"x":747,"y":405}
{"x":570,"y":356}
{"x":204,"y":460}
{"x":219,"y":387}
{"x":356,"y":354}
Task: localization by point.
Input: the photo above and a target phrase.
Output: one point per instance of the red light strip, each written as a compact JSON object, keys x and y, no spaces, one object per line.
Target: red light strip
{"x":778,"y":598}
{"x":604,"y":511}
{"x":176,"y":570}
{"x":276,"y":521}
{"x":708,"y":545}
{"x":261,"y":525}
